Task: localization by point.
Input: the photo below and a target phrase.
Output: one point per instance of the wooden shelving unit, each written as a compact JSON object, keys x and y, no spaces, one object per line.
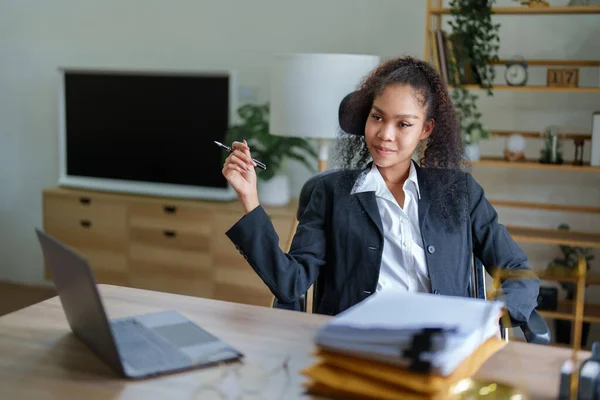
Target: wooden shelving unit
{"x":501,"y":162}
{"x":538,"y":135}
{"x":566,"y":309}
{"x":554,"y":236}
{"x":546,"y":206}
{"x":532,"y":88}
{"x":555,"y":63}
{"x":593,"y":278}
{"x":578,"y":10}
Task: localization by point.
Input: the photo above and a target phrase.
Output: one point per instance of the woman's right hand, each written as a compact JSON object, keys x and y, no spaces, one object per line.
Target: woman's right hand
{"x":239,"y":172}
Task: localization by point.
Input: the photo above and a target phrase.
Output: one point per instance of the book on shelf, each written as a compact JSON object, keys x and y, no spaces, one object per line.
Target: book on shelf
{"x":446,"y":51}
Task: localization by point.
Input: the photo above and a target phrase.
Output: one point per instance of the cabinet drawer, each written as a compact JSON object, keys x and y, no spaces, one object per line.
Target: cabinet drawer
{"x":107,"y":257}
{"x":185,"y":239}
{"x":168,"y":261}
{"x":165,"y":216}
{"x":243,"y":294}
{"x":87,"y":215}
{"x":156,"y":277}
{"x":174,"y":272}
{"x":86,"y":233}
{"x":109,"y":267}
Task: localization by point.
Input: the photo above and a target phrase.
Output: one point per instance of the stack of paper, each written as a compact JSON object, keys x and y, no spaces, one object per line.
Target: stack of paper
{"x":411,"y":344}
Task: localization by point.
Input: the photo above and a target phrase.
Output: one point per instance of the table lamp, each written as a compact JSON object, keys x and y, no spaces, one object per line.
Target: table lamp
{"x":306,"y":91}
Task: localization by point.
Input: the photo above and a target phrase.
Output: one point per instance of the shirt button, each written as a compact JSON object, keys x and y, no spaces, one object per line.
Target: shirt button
{"x":431,"y":249}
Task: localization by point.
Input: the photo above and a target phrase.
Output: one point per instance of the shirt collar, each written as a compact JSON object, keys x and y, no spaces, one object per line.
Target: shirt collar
{"x":372,"y":181}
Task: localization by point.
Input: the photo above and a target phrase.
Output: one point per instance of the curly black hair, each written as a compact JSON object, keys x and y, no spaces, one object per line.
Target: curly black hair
{"x":443,"y":148}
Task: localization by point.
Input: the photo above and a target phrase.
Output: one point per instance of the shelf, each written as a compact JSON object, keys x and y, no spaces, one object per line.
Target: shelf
{"x":554,"y":236}
{"x":534,"y":164}
{"x":555,"y":63}
{"x":591,"y":277}
{"x":553,"y":344}
{"x":546,"y":206}
{"x":531,"y":10}
{"x":531,"y":88}
{"x":565,"y":311}
{"x":539,"y":135}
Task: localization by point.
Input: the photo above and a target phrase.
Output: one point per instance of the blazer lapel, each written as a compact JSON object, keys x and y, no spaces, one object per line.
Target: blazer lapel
{"x":425,"y":200}
{"x":369,"y":203}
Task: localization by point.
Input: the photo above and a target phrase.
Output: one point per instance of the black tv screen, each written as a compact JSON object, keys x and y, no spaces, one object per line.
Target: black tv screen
{"x":146,"y":132}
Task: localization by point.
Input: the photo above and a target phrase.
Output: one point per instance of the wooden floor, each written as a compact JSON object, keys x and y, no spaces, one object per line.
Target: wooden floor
{"x":14,"y":296}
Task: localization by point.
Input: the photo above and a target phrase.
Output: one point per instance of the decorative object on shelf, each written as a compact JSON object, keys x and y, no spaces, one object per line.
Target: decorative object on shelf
{"x":272,"y":150}
{"x":477,"y":35}
{"x":578,"y":159}
{"x":552,"y":151}
{"x":576,"y":3}
{"x":515,"y":148}
{"x":595,"y":156}
{"x":534,"y":3}
{"x":472,"y":152}
{"x":547,"y":298}
{"x":562,"y":77}
{"x":516,"y":73}
{"x":567,"y":266}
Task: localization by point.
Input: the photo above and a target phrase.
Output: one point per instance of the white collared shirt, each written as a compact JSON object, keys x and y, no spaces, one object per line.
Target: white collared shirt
{"x":403,"y":264}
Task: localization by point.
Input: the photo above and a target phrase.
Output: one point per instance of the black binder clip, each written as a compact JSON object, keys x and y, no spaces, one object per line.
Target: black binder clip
{"x":422,"y":343}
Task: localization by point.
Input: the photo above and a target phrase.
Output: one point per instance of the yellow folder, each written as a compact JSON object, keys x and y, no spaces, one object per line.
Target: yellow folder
{"x":364,"y":377}
{"x":336,"y":382}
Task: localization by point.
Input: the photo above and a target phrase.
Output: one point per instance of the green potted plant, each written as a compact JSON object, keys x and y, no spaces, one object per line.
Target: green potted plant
{"x":567,"y":266}
{"x":475,"y":44}
{"x":273,"y":183}
{"x":551,"y":153}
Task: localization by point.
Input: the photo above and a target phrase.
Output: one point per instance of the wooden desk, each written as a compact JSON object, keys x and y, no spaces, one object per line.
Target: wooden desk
{"x":40,"y":358}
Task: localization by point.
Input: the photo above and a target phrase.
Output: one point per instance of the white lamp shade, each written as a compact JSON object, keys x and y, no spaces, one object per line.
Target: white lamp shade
{"x":307,"y":89}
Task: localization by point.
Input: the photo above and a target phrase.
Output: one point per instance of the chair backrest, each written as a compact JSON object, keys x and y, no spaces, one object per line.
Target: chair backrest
{"x":477,"y":282}
{"x":303,"y":200}
{"x":307,"y":190}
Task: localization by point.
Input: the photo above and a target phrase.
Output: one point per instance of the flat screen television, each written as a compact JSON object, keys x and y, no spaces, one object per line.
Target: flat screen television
{"x":145,"y":132}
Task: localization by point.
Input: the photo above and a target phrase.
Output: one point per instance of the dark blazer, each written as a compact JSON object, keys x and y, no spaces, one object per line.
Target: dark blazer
{"x":339,"y":238}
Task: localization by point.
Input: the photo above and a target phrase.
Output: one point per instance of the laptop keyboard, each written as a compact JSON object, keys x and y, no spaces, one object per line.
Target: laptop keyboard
{"x":144,"y":350}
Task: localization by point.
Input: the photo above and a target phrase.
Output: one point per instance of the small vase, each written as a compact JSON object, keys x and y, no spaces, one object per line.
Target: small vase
{"x":472,"y":152}
{"x":275,"y":191}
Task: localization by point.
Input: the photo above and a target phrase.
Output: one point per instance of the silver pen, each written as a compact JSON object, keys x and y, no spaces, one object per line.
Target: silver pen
{"x":229,"y":149}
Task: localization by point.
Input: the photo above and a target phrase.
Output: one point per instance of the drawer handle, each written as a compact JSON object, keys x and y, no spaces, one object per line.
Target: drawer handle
{"x":170,"y":234}
{"x":85,"y":223}
{"x":85,"y":200}
{"x":170,"y":209}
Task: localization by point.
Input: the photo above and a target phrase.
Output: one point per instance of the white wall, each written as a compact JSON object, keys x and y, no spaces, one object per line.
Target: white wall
{"x":38,"y":36}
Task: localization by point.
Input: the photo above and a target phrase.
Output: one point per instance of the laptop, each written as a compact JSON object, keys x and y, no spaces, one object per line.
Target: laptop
{"x":134,"y":347}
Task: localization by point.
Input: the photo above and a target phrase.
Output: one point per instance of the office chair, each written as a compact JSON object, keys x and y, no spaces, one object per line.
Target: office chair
{"x":535,"y":330}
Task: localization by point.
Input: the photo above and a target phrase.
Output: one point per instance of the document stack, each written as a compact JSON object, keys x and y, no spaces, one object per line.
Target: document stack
{"x":404,"y":345}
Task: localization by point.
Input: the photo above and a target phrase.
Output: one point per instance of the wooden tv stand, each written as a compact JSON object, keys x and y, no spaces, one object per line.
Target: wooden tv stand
{"x":164,"y":244}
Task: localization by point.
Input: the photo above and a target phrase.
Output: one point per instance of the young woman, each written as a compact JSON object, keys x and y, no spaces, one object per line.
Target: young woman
{"x":382,"y":222}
